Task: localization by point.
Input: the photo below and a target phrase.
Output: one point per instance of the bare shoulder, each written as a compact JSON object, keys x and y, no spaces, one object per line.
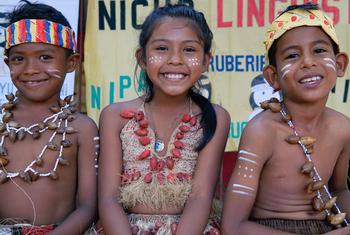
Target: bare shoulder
{"x":265,"y":123}
{"x":117,"y":108}
{"x":222,"y":114}
{"x":337,"y":122}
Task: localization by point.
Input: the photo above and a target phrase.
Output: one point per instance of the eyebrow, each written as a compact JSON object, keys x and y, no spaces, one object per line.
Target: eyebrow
{"x":185,"y":41}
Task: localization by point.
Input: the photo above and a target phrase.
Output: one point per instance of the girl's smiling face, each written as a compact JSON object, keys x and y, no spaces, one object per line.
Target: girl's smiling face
{"x":174,"y":56}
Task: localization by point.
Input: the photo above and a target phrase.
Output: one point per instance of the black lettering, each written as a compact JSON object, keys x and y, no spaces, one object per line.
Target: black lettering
{"x":122,"y":15}
{"x":134,"y":5}
{"x":103,"y":14}
{"x":346,"y":91}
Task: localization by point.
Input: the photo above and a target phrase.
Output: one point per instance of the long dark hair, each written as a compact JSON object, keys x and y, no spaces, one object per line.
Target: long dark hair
{"x":208,"y":119}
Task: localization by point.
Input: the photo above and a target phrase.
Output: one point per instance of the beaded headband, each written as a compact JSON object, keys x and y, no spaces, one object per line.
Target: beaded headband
{"x":296,"y":18}
{"x":40,"y":31}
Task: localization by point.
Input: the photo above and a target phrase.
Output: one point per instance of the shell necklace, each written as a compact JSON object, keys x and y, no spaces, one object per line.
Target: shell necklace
{"x":58,"y":123}
{"x":323,"y":201}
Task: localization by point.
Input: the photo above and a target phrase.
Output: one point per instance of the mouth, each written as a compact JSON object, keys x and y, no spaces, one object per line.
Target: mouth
{"x":35,"y":83}
{"x":174,"y":76}
{"x":311,"y":80}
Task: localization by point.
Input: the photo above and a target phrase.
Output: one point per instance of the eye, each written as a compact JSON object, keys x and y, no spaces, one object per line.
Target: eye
{"x":189,"y":49}
{"x":320,"y":50}
{"x":16,"y":58}
{"x":161,"y":48}
{"x":291,"y":56}
{"x":45,"y":57}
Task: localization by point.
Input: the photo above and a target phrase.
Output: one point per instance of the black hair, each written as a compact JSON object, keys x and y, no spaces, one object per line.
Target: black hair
{"x":28,"y":10}
{"x":307,"y":6}
{"x":208,"y":120}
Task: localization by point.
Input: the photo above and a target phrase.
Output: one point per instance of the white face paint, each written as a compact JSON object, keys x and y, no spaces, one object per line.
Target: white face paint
{"x":194,"y":62}
{"x":330,"y":63}
{"x":154,"y":59}
{"x":54,"y":73}
{"x":285,"y":70}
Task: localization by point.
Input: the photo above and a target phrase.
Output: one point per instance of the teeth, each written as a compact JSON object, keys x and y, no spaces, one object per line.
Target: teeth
{"x":313,"y":79}
{"x":173,"y":76}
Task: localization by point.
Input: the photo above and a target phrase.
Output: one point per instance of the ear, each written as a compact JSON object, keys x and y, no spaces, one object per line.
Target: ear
{"x":342,"y":61}
{"x":140,"y":58}
{"x":206,"y":62}
{"x":72,"y":62}
{"x":270,"y":75}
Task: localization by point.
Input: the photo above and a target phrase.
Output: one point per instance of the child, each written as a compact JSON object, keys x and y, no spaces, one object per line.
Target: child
{"x":161,"y":153}
{"x":47,"y":175}
{"x":281,"y":174}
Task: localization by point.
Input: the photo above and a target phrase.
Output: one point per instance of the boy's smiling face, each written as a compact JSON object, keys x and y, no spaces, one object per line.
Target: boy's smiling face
{"x":38,"y":69}
{"x":306,"y":66}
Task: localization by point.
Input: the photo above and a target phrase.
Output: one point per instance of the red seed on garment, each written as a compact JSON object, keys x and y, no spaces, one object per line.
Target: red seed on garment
{"x":173,"y":228}
{"x":139,"y":116}
{"x":128,"y":114}
{"x":144,"y":140}
{"x":160,"y":178}
{"x":153,"y":164}
{"x":186,"y":118}
{"x":144,"y":154}
{"x":171,"y":177}
{"x":176,"y":153}
{"x":179,"y":144}
{"x":170,"y":163}
{"x":193,"y":121}
{"x":141,"y":132}
{"x":180,"y":176}
{"x":136,"y":175}
{"x":214,"y":231}
{"x":179,"y":135}
{"x":134,"y":230}
{"x":160,"y":165}
{"x":184,"y":128}
{"x":143,"y":123}
{"x":148,"y":178}
{"x":158,"y":225}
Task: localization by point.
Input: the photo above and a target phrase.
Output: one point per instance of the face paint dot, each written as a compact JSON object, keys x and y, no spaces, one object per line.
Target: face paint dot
{"x":239,"y":166}
{"x":250,"y":176}
{"x":251,"y":169}
{"x":239,"y":173}
{"x":246,"y":168}
{"x":245,"y":176}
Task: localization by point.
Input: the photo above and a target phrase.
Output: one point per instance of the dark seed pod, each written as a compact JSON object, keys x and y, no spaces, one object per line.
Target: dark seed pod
{"x":10,"y":97}
{"x":3,"y":151}
{"x":3,"y":161}
{"x":52,"y":146}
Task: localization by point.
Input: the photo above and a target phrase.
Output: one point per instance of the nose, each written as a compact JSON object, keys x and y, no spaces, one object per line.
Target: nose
{"x":31,"y":67}
{"x":308,"y":61}
{"x":175,"y":58}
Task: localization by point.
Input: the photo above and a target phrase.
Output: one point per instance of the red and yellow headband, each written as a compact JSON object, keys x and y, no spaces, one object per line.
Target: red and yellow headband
{"x":40,"y":31}
{"x":296,"y":18}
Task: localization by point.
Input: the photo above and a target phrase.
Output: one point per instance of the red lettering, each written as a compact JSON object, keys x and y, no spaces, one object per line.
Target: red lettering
{"x":239,"y":13}
{"x":272,"y":8}
{"x":331,"y":9}
{"x":221,"y":22}
{"x":258,"y":14}
{"x":313,"y":1}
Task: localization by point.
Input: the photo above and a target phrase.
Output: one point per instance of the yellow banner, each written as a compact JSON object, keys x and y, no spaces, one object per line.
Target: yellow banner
{"x":234,"y":78}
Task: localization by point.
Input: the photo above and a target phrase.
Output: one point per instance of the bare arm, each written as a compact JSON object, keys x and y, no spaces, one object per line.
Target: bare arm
{"x":196,"y":212}
{"x":256,"y":147}
{"x":84,"y":214}
{"x":113,"y":218}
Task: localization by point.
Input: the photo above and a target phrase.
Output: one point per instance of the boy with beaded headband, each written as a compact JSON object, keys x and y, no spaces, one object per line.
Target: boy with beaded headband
{"x":47,"y":149}
{"x":286,"y":159}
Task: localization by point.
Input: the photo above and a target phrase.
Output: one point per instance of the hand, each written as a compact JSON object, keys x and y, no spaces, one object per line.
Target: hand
{"x":341,"y":231}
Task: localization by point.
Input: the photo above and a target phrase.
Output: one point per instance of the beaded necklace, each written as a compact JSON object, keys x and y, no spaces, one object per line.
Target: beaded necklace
{"x":58,"y":123}
{"x":323,"y":201}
